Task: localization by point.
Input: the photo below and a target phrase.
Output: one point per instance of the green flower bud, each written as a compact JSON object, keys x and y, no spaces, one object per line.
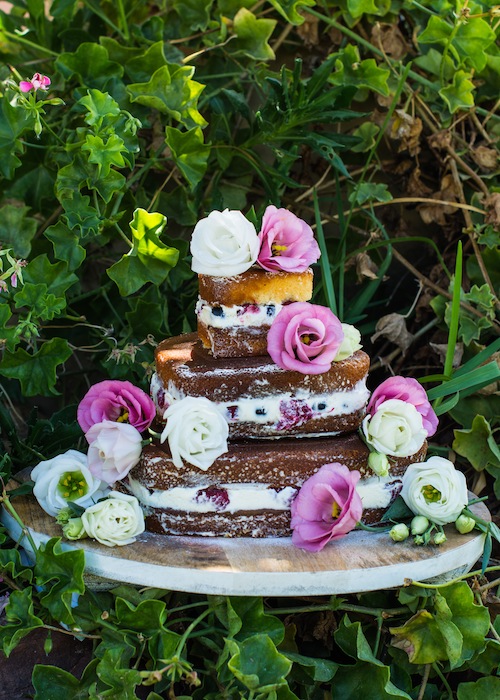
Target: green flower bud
{"x":73,"y":529}
{"x":419,"y":525}
{"x":399,"y":532}
{"x":419,"y":540}
{"x":464,"y":524}
{"x":64,"y":515}
{"x":378,"y":463}
{"x":439,"y":538}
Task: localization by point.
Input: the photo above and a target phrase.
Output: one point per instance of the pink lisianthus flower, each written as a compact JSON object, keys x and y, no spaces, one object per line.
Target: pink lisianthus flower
{"x":37,"y":82}
{"x":326,"y":508}
{"x":116,"y":400}
{"x":286,"y":242}
{"x":114,"y":448}
{"x":409,"y":390}
{"x":305,"y":338}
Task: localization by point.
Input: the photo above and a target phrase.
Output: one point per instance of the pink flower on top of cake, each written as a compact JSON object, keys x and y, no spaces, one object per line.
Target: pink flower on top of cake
{"x":409,"y":390}
{"x":305,"y":338}
{"x":114,"y":448}
{"x":326,"y":508}
{"x":286,"y":242}
{"x":116,"y":400}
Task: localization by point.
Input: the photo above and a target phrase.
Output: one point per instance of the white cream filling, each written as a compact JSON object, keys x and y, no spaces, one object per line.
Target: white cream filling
{"x":255,"y":315}
{"x":377,"y":491}
{"x":192,"y":500}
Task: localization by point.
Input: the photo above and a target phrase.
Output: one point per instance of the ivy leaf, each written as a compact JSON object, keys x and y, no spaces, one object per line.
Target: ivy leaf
{"x":254,"y":620}
{"x":421,"y":638}
{"x":33,"y":187}
{"x":16,"y":229}
{"x":189,"y":153}
{"x":351,"y":71}
{"x":54,"y":682}
{"x":149,"y":260}
{"x":90,"y":62}
{"x":351,"y":639}
{"x":56,"y":276}
{"x":99,"y":105}
{"x":320,"y":670}
{"x":194,"y":14}
{"x":141,"y":67}
{"x":13,"y":122}
{"x":146,"y":618}
{"x":8,"y":334}
{"x":478,"y":445}
{"x":41,"y":304}
{"x":470,"y":40}
{"x":37,"y":372}
{"x":20,"y":619}
{"x":257,"y":663}
{"x":171,"y":91}
{"x":452,"y":636}
{"x":108,"y":185}
{"x":252,"y":36}
{"x":105,"y":154}
{"x":369,"y":192}
{"x":63,"y":570}
{"x":289,"y":9}
{"x":357,"y":8}
{"x":471,"y":619}
{"x":364,"y":680}
{"x":367,"y":133}
{"x":121,"y":681}
{"x":81,"y":216}
{"x":482,"y":688}
{"x":459,"y":95}
{"x":66,"y":245}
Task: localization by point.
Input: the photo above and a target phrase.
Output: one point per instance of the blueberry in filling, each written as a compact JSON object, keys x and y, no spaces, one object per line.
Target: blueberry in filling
{"x":270,"y":310}
{"x":321,"y":406}
{"x":218,"y":311}
{"x":260,"y":411}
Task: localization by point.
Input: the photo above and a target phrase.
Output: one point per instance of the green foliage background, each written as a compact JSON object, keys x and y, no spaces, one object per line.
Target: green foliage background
{"x":376,"y":121}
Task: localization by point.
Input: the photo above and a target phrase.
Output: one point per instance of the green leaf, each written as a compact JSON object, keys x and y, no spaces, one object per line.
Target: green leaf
{"x":482,"y":688}
{"x":351,"y":639}
{"x":421,"y":638}
{"x":452,"y":636}
{"x":56,"y":276}
{"x":13,"y":122}
{"x":34,"y":187}
{"x":289,"y":9}
{"x":254,"y":620}
{"x":189,"y":153}
{"x":351,"y":71}
{"x":478,"y":445}
{"x":171,"y":91}
{"x":252,"y":36}
{"x":80,"y":215}
{"x":121,"y":681}
{"x":366,"y":681}
{"x":459,"y":95}
{"x":99,"y":105}
{"x":470,"y":41}
{"x":40,"y":303}
{"x":257,"y":664}
{"x":471,"y":619}
{"x":16,"y":229}
{"x":367,"y":132}
{"x":57,"y":684}
{"x":66,"y":245}
{"x":91,"y":64}
{"x":149,"y":260}
{"x":8,"y":334}
{"x":63,"y":570}
{"x":320,"y":670}
{"x":140,"y":68}
{"x":105,"y":153}
{"x":369,"y":192}
{"x":357,"y":8}
{"x":20,"y":619}
{"x":146,"y":618}
{"x":36,"y":372}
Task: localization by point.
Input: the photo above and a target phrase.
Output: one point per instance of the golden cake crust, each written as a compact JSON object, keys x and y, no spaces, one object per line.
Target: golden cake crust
{"x":256,"y":286}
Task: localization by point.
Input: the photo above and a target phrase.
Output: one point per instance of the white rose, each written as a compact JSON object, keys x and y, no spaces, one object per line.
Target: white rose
{"x":435,"y":489}
{"x":196,"y":432}
{"x":115,"y":521}
{"x":224,"y":244}
{"x":66,"y":478}
{"x":395,"y":428}
{"x":351,"y":343}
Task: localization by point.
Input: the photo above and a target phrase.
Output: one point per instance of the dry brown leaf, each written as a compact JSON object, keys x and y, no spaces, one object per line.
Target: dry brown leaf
{"x":441,"y":140}
{"x":437,"y":212}
{"x":442,"y":348}
{"x":393,"y":327}
{"x":365,"y":267}
{"x":406,"y":129}
{"x":390,"y":40}
{"x":492,"y":206}
{"x":416,"y":188}
{"x":486,"y":158}
{"x":308,"y":30}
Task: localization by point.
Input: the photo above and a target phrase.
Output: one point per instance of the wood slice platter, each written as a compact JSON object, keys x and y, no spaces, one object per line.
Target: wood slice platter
{"x":361,"y":561}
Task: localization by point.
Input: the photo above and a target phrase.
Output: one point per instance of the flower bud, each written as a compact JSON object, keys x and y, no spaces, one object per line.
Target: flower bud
{"x":64,"y":515}
{"x":439,"y":538}
{"x":419,"y":540}
{"x":464,"y":524}
{"x":399,"y":532}
{"x":378,"y":463}
{"x":419,"y":525}
{"x":73,"y":529}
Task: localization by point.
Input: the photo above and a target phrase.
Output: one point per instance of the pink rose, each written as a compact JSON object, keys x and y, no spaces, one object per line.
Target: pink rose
{"x":409,"y":390}
{"x":114,"y":448}
{"x":305,"y":338}
{"x":287,"y":242}
{"x":115,"y":400}
{"x":326,"y":508}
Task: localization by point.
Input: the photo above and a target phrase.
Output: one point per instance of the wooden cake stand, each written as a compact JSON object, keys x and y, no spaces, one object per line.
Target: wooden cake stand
{"x":361,"y":561}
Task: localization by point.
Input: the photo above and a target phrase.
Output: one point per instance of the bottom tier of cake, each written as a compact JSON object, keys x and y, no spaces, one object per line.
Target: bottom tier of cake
{"x":248,"y":491}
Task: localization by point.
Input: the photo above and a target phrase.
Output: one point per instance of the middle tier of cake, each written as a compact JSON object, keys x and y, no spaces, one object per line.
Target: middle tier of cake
{"x":256,"y":397}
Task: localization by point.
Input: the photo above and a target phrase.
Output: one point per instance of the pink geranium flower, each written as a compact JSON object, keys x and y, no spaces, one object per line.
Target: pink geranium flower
{"x":305,"y":338}
{"x":287,"y":242}
{"x":116,"y":400}
{"x":37,"y":82}
{"x":114,"y":448}
{"x":326,"y":508}
{"x":409,"y":390}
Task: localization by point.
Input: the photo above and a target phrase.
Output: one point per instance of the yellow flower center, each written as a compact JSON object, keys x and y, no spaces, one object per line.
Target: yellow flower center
{"x":123,"y":417}
{"x":277,"y":249}
{"x":431,"y":494}
{"x":72,"y":485}
{"x":335,"y":510}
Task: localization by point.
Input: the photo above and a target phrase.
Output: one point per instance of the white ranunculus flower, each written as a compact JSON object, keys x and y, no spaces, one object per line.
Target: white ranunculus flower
{"x":351,"y":343}
{"x":196,"y":432}
{"x":65,"y":478}
{"x":395,"y":429}
{"x":435,"y":489}
{"x":115,"y":521}
{"x":224,"y":244}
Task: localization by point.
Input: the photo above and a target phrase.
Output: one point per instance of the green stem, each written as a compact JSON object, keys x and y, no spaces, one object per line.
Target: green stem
{"x":26,"y":42}
{"x":123,"y":20}
{"x":10,"y":508}
{"x":443,"y":680}
{"x":469,"y":574}
{"x":188,"y":631}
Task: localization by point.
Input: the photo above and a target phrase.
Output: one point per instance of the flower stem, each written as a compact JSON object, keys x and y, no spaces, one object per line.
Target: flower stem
{"x":10,"y":508}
